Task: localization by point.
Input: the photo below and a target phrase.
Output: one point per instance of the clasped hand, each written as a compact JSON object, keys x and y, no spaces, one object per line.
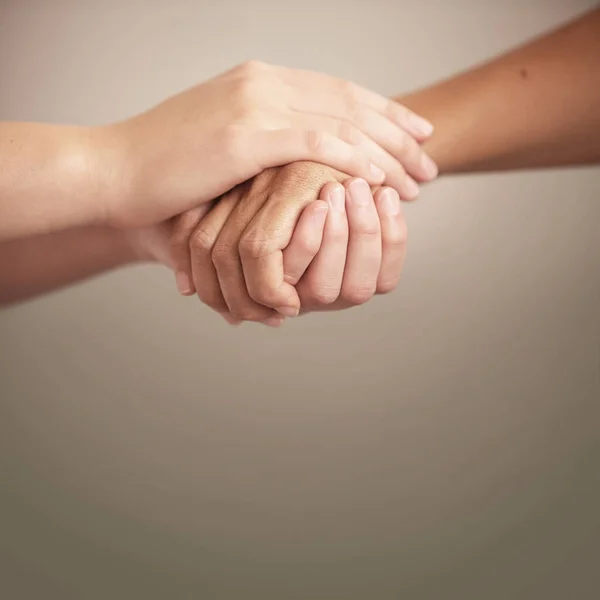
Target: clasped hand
{"x":270,"y":191}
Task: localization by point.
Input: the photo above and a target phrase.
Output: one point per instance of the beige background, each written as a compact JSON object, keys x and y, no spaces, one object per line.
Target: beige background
{"x":439,"y":443}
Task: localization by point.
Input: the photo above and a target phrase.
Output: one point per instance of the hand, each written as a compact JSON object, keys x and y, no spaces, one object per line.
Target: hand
{"x":234,"y":258}
{"x":201,"y":143}
{"x":358,"y":252}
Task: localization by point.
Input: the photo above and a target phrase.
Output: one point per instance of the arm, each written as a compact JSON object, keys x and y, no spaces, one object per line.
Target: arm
{"x":537,"y":106}
{"x":198,"y":145}
{"x":40,"y":264}
{"x":46,"y":179}
{"x":534,"y":107}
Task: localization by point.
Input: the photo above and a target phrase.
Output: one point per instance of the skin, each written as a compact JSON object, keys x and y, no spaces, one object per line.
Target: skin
{"x":534,"y":107}
{"x":39,"y":264}
{"x":197,"y":145}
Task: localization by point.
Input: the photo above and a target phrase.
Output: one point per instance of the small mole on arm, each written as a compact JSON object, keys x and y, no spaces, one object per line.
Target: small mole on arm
{"x":524,"y":73}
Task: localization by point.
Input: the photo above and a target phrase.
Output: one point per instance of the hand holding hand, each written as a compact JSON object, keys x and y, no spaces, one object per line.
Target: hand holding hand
{"x":203,"y":142}
{"x":267,"y":236}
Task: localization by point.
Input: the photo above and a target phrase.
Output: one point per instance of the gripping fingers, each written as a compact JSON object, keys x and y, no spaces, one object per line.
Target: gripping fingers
{"x":263,"y":258}
{"x":306,"y":241}
{"x":320,"y":286}
{"x":278,"y":147}
{"x":201,"y":246}
{"x":363,"y":261}
{"x":394,"y":166}
{"x":179,"y":243}
{"x":393,"y":239}
{"x":323,"y":92}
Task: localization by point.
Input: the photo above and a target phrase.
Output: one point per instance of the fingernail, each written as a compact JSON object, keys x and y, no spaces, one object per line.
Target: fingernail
{"x":390,"y":202}
{"x":377,"y":172}
{"x":338,"y":199}
{"x":429,"y":167}
{"x":183,"y":283}
{"x":288,"y":311}
{"x":273,"y":321}
{"x":412,"y":189}
{"x":420,"y":125}
{"x":360,"y":192}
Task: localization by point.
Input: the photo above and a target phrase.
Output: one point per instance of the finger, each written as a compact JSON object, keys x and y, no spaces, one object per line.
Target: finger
{"x":272,"y":148}
{"x":397,"y":142}
{"x":395,"y":173}
{"x":272,"y":229}
{"x":229,"y":319}
{"x":179,"y":243}
{"x":261,"y":253}
{"x":346,"y":95}
{"x":388,"y":138}
{"x":363,"y":260}
{"x":393,"y":239}
{"x":306,"y":241}
{"x":322,"y":282}
{"x":227,"y":260}
{"x":201,"y":245}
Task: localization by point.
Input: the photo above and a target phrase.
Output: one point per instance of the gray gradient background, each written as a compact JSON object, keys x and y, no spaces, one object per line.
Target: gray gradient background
{"x":442,"y":442}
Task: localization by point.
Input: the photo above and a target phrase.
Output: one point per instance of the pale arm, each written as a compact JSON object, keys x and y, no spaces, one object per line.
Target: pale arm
{"x":50,"y":179}
{"x":537,"y":106}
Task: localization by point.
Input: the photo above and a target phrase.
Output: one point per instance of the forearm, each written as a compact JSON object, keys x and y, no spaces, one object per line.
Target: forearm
{"x":51,"y":178}
{"x":537,"y":106}
{"x":40,"y":264}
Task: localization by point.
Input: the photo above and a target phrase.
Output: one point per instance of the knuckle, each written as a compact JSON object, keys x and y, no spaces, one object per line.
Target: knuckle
{"x":357,"y":111}
{"x":202,"y":240}
{"x":186,"y":222}
{"x":368,"y":229}
{"x":253,"y":66}
{"x":350,"y":92}
{"x":254,"y":246}
{"x":401,"y":144}
{"x":398,"y":237}
{"x":337,"y":234}
{"x":351,"y":133}
{"x":223,"y":254}
{"x":314,"y":141}
{"x":247,"y":89}
{"x":359,"y":294}
{"x":322,"y":294}
{"x":303,"y":177}
{"x":412,"y":149}
{"x":309,"y":245}
{"x":398,"y":113}
{"x":267,"y":296}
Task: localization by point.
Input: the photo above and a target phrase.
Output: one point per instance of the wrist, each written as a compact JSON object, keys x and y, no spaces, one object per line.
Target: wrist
{"x":148,"y":244}
{"x":103,"y":152}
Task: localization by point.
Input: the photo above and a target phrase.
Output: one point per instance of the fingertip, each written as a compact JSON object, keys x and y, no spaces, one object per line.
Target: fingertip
{"x":410,"y":189}
{"x":231,"y":320}
{"x":388,"y":202}
{"x":359,"y":193}
{"x":184,"y":284}
{"x":274,"y":322}
{"x":329,"y":189}
{"x":419,"y":127}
